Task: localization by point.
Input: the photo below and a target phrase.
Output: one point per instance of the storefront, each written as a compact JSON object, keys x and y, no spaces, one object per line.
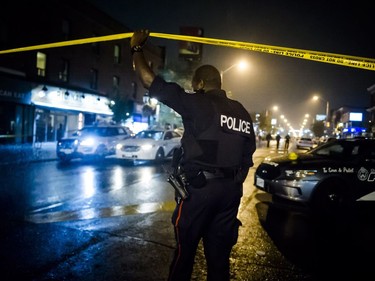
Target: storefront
{"x":16,"y":111}
{"x":59,"y":112}
{"x":32,"y":113}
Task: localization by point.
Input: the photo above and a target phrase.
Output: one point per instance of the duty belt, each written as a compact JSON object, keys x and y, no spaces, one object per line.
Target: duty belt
{"x":220,"y":174}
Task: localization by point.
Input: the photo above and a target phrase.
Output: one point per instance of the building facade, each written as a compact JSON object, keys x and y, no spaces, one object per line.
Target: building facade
{"x":351,"y":122}
{"x":49,"y":92}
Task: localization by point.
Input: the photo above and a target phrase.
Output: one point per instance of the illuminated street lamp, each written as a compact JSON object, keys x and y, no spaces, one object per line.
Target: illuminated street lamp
{"x":273,"y":120}
{"x":315,"y":98}
{"x":241,"y":66}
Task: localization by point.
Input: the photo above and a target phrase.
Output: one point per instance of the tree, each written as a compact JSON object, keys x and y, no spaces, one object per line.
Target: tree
{"x":265,"y":122}
{"x":122,"y":109}
{"x":318,"y":128}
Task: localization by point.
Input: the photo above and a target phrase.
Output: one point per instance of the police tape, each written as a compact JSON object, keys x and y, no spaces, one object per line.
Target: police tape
{"x":324,"y":57}
{"x":351,"y":61}
{"x":69,"y":43}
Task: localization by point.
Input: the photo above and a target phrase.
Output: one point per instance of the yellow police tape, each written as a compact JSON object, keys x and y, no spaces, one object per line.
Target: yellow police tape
{"x":344,"y":60}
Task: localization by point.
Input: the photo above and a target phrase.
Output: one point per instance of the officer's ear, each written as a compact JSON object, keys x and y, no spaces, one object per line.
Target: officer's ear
{"x":200,"y":85}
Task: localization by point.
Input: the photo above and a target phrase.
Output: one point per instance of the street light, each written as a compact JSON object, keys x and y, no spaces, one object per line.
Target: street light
{"x":241,"y":66}
{"x":315,"y":98}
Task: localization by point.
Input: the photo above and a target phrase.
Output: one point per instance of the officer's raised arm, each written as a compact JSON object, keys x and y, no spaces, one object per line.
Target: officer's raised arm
{"x":142,"y":68}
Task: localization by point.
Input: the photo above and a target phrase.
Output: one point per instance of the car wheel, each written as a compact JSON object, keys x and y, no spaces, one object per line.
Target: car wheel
{"x":159,"y":157}
{"x":331,"y":199}
{"x":64,"y":158}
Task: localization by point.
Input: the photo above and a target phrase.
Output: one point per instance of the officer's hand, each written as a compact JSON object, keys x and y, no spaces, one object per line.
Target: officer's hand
{"x":139,"y":38}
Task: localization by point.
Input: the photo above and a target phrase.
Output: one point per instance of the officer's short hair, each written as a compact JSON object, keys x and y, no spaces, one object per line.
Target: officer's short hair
{"x":209,"y":75}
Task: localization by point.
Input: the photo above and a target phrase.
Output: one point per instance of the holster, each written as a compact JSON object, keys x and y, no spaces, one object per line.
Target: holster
{"x":197,"y":180}
{"x":179,"y":186}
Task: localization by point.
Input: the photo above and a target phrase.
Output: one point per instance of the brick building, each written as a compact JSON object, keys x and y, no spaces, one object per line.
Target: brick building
{"x":45,"y":89}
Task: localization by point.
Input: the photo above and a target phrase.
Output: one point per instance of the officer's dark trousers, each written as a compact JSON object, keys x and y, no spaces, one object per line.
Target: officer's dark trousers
{"x":210,"y":213}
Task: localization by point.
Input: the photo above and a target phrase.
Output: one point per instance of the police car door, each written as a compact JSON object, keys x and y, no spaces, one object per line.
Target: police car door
{"x":171,"y":141}
{"x":366,"y":173}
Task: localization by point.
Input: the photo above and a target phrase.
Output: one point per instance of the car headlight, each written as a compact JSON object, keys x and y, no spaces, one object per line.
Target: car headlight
{"x":119,"y":146}
{"x":146,"y":146}
{"x":300,"y":174}
{"x":88,"y":142}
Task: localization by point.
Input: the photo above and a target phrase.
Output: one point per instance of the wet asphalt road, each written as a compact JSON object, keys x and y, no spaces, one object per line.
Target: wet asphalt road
{"x":274,"y":244}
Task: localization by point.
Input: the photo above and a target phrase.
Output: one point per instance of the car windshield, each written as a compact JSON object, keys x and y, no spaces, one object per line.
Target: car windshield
{"x":337,"y":149}
{"x":98,"y":131}
{"x":155,"y":135}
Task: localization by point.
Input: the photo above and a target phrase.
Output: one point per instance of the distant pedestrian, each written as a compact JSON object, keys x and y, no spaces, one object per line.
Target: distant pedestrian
{"x":278,"y":141}
{"x":60,"y":132}
{"x":268,"y":139}
{"x":287,"y":139}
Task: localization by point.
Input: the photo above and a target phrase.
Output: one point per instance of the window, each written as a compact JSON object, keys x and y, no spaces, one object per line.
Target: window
{"x":134,"y":90}
{"x":116,"y":82}
{"x":65,"y":29}
{"x":3,"y":35}
{"x":95,"y":46}
{"x":94,"y":79}
{"x":168,"y":136}
{"x":355,"y":150}
{"x":63,"y":74}
{"x":117,"y":54}
{"x":41,"y":62}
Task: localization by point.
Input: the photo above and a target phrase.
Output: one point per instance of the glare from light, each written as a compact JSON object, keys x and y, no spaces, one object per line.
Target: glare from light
{"x":153,"y":102}
{"x":242,"y":65}
{"x":146,"y":176}
{"x":88,"y":142}
{"x":118,"y":178}
{"x":88,"y":183}
{"x":147,"y":146}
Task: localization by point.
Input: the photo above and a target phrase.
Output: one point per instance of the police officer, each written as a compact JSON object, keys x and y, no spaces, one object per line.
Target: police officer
{"x":218,"y":144}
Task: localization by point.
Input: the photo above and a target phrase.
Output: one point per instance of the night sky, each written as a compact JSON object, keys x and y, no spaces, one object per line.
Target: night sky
{"x":345,"y":28}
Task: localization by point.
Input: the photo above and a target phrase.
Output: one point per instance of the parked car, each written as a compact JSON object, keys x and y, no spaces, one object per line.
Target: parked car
{"x":325,"y":179}
{"x":91,"y":141}
{"x":156,"y":145}
{"x":305,"y":143}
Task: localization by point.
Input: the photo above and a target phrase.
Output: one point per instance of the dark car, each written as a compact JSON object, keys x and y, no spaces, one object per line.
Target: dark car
{"x":91,"y":141}
{"x":325,"y":179}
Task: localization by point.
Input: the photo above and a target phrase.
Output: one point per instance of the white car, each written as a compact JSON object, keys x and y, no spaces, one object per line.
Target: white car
{"x":305,"y":143}
{"x":155,"y":145}
{"x":91,"y":141}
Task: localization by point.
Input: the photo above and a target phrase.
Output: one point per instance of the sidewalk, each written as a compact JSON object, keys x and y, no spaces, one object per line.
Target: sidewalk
{"x":25,"y":153}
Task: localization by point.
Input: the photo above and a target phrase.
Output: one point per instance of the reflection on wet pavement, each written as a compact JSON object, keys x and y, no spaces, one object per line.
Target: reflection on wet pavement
{"x":95,"y":213}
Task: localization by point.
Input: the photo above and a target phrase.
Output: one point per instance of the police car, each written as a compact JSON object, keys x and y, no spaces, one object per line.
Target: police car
{"x":326,"y":179}
{"x":91,"y":142}
{"x":149,"y":145}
